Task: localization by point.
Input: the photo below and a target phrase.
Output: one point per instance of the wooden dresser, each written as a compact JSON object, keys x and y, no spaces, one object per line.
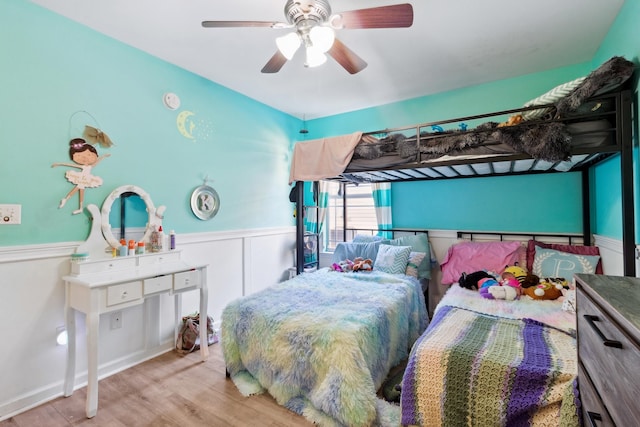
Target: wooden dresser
{"x":608,"y":314}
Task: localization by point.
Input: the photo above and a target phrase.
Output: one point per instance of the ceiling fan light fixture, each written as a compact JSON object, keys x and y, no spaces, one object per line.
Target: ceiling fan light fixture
{"x":322,"y":37}
{"x":289,"y":44}
{"x":315,"y":57}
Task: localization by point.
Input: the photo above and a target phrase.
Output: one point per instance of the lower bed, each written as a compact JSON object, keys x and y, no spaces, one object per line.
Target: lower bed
{"x":322,"y":343}
{"x":488,"y":362}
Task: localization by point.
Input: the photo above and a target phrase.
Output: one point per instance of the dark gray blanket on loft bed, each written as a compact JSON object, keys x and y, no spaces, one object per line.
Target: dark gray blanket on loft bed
{"x":543,"y":140}
{"x":547,"y":141}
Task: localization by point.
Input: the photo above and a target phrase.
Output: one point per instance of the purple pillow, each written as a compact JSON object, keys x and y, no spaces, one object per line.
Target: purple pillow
{"x":572,"y":249}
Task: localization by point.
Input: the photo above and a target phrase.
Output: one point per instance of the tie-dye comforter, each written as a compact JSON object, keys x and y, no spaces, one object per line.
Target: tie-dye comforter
{"x":322,"y":343}
{"x":488,"y":362}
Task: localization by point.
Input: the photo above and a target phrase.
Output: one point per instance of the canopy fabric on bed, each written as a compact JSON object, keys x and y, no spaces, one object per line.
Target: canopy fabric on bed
{"x":322,"y":158}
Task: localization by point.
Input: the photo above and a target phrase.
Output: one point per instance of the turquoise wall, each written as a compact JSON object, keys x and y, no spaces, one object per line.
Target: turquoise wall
{"x":540,"y":203}
{"x":622,"y":40}
{"x":53,"y":68}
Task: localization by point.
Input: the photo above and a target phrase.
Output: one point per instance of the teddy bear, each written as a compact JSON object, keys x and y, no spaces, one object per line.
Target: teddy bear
{"x":361,"y":264}
{"x":548,"y":288}
{"x":513,"y":120}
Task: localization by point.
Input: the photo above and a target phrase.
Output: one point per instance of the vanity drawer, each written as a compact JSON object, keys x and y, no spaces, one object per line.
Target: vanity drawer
{"x":186,"y":279}
{"x":611,"y":359}
{"x":157,"y":284}
{"x":113,"y":264}
{"x":125,"y":292}
{"x":159,"y":258}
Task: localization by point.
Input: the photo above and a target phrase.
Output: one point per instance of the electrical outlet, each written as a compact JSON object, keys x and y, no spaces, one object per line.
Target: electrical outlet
{"x":10,"y":214}
{"x":116,"y":320}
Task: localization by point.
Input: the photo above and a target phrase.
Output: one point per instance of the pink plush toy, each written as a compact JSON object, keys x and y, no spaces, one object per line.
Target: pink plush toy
{"x":343,"y":266}
{"x":508,"y":289}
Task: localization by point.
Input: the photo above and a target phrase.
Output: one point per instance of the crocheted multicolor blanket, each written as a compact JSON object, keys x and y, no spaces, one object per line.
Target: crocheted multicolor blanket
{"x":322,"y":343}
{"x":505,"y":368}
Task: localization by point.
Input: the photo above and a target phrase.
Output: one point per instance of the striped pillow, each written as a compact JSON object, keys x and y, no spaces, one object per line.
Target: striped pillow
{"x":392,"y":259}
{"x":551,"y":97}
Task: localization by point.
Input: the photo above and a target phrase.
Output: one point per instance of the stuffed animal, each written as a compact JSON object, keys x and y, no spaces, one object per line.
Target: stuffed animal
{"x":342,"y":266}
{"x":470,"y":281}
{"x":361,"y":264}
{"x":508,"y":289}
{"x":515,"y":271}
{"x":513,"y":120}
{"x":549,"y":288}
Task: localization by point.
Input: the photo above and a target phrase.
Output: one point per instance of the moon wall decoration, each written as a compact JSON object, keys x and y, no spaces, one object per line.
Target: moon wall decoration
{"x":185,"y":124}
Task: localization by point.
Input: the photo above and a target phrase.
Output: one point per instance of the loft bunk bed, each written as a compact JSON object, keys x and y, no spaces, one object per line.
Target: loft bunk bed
{"x":569,"y":129}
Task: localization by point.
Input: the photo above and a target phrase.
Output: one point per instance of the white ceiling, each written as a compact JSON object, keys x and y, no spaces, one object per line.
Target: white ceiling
{"x":452,"y":44}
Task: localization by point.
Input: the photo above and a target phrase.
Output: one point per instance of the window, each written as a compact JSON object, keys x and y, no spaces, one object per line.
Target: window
{"x":360,"y":211}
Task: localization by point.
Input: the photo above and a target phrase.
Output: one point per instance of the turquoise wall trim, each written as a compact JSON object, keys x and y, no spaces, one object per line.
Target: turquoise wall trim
{"x":53,"y":67}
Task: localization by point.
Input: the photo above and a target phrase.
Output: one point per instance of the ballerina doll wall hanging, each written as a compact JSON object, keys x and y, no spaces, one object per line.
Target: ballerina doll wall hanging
{"x":85,"y":157}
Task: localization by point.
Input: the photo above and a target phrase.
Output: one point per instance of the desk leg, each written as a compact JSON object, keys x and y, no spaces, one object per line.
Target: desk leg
{"x":177,"y":324}
{"x":93,"y":325}
{"x":70,"y":319}
{"x":204,"y":336}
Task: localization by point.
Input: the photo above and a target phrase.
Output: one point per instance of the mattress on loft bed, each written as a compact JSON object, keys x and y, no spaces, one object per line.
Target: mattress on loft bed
{"x":403,"y":151}
{"x":573,"y":124}
{"x":572,"y":117}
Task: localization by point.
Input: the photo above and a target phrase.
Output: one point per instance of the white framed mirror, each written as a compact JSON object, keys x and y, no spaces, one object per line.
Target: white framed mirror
{"x":154,"y":216}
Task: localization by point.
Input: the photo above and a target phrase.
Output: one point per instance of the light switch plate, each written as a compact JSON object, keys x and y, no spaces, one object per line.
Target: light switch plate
{"x":10,"y":214}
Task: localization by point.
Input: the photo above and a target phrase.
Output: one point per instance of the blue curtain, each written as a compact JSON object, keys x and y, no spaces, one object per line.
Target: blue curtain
{"x":314,"y":220}
{"x":381,"y":193}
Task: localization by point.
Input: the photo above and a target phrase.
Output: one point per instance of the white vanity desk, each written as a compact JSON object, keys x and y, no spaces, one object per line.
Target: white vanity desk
{"x":100,"y":286}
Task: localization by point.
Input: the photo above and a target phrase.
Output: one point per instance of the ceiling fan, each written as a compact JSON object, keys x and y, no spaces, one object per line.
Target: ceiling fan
{"x":314,"y":28}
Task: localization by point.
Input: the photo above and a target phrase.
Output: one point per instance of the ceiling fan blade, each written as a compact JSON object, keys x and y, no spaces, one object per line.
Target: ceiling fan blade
{"x":346,"y":57}
{"x":236,"y":24}
{"x":275,"y":63}
{"x":394,"y":16}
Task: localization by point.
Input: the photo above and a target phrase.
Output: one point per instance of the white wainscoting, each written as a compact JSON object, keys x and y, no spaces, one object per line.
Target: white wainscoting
{"x":32,"y":365}
{"x":611,"y":255}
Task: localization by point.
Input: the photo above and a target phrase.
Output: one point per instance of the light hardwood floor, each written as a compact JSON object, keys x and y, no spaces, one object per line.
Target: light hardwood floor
{"x":169,"y":390}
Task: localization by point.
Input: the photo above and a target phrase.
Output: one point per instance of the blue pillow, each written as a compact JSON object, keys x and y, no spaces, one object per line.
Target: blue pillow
{"x":418,"y":243}
{"x":551,"y":263}
{"x":350,"y":250}
{"x":392,"y":259}
{"x":365,"y":238}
